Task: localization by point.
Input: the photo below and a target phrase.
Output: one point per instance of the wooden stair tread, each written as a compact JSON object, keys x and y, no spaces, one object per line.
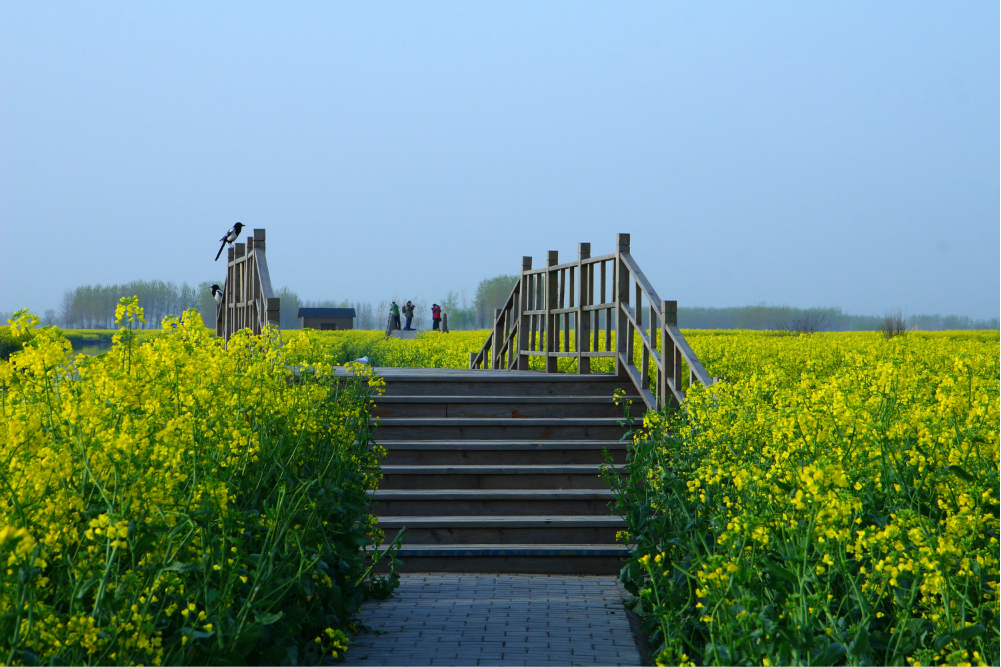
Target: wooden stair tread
{"x":521,"y":400}
{"x":567,"y":550}
{"x":502,"y":444}
{"x":492,"y":494}
{"x":500,"y":521}
{"x":499,"y":421}
{"x":527,"y":469}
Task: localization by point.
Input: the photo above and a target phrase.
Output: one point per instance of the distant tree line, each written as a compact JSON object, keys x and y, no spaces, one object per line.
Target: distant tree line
{"x":765,"y":316}
{"x":93,"y":307}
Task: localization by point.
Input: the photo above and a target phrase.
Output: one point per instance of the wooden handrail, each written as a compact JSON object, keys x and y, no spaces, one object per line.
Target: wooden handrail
{"x":248,"y":301}
{"x":547,"y":302}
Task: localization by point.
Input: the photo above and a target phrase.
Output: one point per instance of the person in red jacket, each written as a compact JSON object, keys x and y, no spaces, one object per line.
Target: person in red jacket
{"x":436,"y":317}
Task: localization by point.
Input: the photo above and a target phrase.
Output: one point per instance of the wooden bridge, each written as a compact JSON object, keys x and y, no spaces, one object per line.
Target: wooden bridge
{"x":496,"y":468}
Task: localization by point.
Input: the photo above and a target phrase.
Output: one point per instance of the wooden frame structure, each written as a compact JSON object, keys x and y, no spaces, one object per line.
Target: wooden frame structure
{"x":590,"y":296}
{"x":248,"y":301}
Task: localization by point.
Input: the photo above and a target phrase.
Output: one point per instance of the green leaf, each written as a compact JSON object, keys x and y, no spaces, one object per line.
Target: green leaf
{"x":833,"y":654}
{"x":780,"y":572}
{"x":860,"y":645}
{"x":961,"y":474}
{"x":181,"y":568}
{"x":268,"y":619}
{"x":87,"y":585}
{"x":970,"y":632}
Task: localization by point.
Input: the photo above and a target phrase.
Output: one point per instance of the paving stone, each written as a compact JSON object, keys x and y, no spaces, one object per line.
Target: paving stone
{"x":442,"y":619}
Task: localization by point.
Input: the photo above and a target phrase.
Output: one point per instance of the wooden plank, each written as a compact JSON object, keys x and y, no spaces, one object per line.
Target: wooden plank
{"x":642,"y":334}
{"x":689,"y":355}
{"x":552,"y":295}
{"x":524,"y":295}
{"x":633,"y":374}
{"x":623,"y":336}
{"x":582,"y":334}
{"x":598,"y":259}
{"x":641,"y":279}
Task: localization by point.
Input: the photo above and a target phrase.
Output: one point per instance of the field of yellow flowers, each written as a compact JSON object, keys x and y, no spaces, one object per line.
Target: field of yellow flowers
{"x":177,"y":501}
{"x":835,"y":502}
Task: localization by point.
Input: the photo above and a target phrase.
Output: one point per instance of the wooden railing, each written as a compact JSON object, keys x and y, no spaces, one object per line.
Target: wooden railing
{"x":594,"y":297}
{"x":248,"y":302}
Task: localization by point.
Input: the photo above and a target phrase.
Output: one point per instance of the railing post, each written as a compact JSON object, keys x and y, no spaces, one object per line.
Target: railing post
{"x":622,"y":334}
{"x":274,"y":310}
{"x":670,"y":355}
{"x":552,"y":302}
{"x":472,"y":359}
{"x":230,"y":291}
{"x":582,"y":333}
{"x":498,"y":338}
{"x":523,"y":324}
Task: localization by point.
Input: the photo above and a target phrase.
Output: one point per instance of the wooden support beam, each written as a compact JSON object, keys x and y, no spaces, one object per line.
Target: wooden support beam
{"x":582,"y":334}
{"x":552,"y":299}
{"x":621,"y":295}
{"x":523,"y":320}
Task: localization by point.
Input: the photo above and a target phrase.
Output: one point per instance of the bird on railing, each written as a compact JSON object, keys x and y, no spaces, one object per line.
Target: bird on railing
{"x":217,"y":294}
{"x":230,"y":237}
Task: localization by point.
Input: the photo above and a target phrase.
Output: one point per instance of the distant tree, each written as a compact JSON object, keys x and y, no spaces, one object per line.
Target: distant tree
{"x":50,"y":317}
{"x":290,"y":305}
{"x":810,"y":321}
{"x":206,"y":303}
{"x":894,"y":324}
{"x":460,"y":314}
{"x":491,"y":293}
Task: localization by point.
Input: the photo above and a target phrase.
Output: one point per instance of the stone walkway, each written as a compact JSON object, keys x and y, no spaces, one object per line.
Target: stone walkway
{"x":487,"y":619}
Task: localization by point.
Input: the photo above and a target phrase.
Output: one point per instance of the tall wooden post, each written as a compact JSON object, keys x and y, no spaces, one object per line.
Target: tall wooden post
{"x":582,"y":335}
{"x":498,"y":338}
{"x":552,"y":302}
{"x":622,"y":333}
{"x":523,"y":319}
{"x":670,"y":355}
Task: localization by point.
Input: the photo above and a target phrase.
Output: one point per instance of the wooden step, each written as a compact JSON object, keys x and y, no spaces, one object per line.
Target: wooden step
{"x":443,"y":407}
{"x":495,"y":471}
{"x":451,"y":382}
{"x":487,"y":502}
{"x":503,"y":529}
{"x":544,"y":428}
{"x":501,"y":452}
{"x":586,"y":476}
{"x":513,"y":558}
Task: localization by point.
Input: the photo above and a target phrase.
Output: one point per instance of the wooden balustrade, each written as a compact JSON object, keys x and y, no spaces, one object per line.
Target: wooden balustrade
{"x":594,"y":297}
{"x":248,"y":301}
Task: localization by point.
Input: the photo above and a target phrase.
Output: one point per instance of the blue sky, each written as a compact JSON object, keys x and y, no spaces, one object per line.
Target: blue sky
{"x":810,"y":154}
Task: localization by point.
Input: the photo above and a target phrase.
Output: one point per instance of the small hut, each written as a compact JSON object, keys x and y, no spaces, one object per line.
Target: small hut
{"x":327,"y":319}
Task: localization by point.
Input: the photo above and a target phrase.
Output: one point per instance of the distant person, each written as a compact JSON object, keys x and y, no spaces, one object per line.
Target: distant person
{"x":435,"y":317}
{"x":408,"y":312}
{"x":394,"y":313}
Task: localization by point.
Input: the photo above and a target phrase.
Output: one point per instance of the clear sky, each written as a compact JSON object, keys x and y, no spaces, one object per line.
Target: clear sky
{"x":800,"y":153}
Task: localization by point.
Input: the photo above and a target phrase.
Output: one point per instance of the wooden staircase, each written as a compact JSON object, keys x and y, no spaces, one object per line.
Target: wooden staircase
{"x":498,"y":471}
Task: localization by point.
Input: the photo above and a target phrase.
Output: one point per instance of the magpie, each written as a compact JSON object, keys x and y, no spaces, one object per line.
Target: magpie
{"x":232,"y":235}
{"x":217,"y":294}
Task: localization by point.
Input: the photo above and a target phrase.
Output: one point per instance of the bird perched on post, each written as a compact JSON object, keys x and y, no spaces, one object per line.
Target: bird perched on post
{"x":217,"y":294}
{"x":231,"y":236}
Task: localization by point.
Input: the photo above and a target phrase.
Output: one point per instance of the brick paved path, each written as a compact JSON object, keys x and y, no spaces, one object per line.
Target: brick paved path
{"x":486,"y":619}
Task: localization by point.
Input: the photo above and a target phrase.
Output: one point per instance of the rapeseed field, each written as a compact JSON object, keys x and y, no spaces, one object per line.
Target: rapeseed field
{"x":178,"y":501}
{"x":833,"y":501}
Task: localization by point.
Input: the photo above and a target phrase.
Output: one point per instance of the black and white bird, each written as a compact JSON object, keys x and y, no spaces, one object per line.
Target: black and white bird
{"x":232,"y":235}
{"x":217,"y":294}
